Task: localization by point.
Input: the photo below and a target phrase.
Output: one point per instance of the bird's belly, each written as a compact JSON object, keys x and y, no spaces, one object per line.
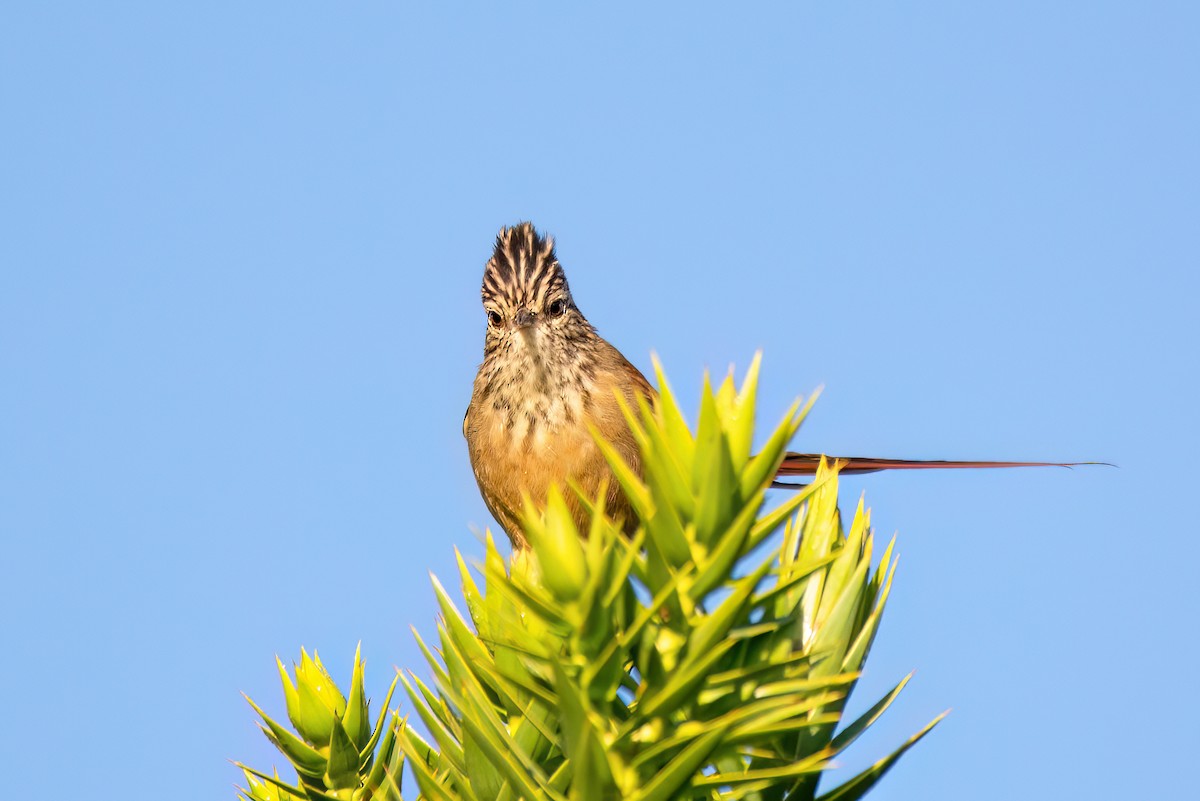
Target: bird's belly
{"x":511,"y":464}
{"x":532,"y":463}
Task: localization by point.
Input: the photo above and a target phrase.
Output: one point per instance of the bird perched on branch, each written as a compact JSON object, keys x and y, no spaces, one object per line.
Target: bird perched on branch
{"x":547,"y":377}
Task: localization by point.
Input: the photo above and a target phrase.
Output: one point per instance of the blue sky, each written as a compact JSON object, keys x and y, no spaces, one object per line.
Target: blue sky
{"x":240,"y":254}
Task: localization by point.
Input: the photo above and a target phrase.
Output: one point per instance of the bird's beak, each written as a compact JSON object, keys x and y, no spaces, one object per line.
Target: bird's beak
{"x":524,"y":318}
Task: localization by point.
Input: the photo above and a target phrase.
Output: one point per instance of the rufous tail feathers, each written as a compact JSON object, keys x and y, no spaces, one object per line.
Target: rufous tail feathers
{"x":805,"y":464}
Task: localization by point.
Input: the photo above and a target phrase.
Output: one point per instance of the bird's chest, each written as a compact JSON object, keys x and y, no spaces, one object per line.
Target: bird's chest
{"x":528,"y":428}
{"x":530,"y":433}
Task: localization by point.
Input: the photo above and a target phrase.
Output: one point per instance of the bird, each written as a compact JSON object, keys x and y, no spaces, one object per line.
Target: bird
{"x":548,"y":379}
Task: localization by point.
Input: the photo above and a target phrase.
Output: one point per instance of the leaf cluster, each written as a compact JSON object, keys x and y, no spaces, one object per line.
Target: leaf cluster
{"x":708,"y":656}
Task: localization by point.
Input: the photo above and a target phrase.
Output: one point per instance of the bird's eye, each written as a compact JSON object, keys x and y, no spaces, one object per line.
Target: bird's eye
{"x":558,"y":307}
{"x":494,"y":317}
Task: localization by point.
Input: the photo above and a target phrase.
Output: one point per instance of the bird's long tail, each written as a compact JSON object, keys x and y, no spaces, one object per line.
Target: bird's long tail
{"x":805,"y":464}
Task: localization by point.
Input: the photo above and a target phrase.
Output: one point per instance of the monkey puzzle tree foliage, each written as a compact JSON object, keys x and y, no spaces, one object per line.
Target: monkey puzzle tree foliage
{"x":707,"y":657}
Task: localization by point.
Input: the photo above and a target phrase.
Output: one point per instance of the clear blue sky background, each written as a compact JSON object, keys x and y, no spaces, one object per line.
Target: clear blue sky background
{"x":240,"y":253}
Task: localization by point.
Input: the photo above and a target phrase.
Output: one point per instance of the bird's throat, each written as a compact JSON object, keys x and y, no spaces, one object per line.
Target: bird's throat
{"x":536,"y":387}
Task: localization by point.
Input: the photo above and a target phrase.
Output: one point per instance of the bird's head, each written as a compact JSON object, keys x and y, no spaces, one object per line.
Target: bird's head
{"x":525,"y":292}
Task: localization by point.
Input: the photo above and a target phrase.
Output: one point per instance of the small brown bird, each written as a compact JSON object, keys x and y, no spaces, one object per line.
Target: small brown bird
{"x":547,"y":374}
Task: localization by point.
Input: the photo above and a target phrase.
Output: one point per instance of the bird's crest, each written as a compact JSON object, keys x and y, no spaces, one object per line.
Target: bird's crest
{"x":523,"y":269}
